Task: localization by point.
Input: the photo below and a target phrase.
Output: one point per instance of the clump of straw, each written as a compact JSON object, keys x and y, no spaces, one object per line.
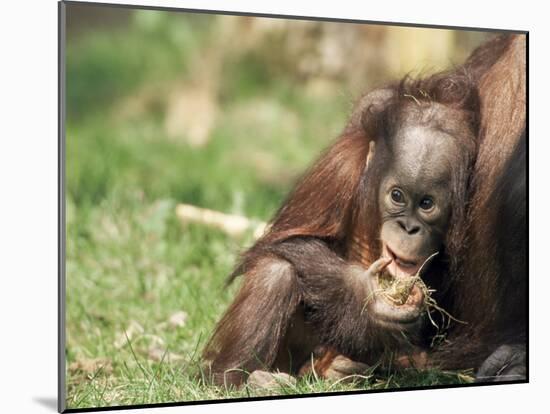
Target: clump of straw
{"x":398,"y":290}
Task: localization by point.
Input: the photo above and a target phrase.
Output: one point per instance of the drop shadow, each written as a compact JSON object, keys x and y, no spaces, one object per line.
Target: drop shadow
{"x":48,"y":402}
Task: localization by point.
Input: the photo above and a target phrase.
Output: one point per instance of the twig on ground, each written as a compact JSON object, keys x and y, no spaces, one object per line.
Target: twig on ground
{"x":232,"y":224}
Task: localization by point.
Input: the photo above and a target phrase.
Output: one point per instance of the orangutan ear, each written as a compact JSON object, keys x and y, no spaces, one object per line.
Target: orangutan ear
{"x":366,"y":117}
{"x":369,"y":108}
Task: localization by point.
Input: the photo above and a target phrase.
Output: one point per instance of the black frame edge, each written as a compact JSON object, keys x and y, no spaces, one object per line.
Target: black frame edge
{"x":527,"y":199}
{"x":293,"y":396}
{"x":291,"y":17}
{"x":61,"y":238}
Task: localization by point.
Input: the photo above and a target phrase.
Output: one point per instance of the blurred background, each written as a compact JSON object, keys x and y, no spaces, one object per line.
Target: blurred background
{"x":220,"y":112}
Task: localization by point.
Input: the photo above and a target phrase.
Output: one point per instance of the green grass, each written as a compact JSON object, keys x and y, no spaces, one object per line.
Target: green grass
{"x":129,"y":261}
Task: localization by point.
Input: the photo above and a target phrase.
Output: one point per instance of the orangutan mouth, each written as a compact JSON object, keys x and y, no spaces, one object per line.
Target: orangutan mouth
{"x":401,"y":266}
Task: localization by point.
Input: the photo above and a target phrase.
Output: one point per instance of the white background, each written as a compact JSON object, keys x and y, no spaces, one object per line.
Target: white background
{"x":28,"y":203}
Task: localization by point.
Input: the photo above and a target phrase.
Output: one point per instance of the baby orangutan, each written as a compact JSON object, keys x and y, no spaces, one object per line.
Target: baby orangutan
{"x":368,"y":217}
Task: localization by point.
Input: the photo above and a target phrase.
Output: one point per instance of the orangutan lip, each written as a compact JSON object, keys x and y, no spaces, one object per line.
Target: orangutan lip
{"x":399,"y":260}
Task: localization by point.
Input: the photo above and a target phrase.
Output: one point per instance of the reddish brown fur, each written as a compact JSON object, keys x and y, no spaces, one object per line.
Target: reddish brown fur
{"x":493,"y":307}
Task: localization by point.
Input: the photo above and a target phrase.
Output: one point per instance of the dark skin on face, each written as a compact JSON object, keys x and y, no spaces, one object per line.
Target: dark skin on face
{"x":414,"y":203}
{"x":414,"y":196}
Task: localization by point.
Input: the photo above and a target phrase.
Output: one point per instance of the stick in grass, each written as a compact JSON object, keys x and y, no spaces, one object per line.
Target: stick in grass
{"x":232,"y":224}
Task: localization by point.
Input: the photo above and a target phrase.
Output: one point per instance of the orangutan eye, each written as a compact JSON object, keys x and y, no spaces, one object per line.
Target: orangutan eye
{"x":397,"y":196}
{"x":426,"y":204}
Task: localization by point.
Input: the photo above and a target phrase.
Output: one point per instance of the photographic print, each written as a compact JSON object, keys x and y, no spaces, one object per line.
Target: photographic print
{"x":269,"y":206}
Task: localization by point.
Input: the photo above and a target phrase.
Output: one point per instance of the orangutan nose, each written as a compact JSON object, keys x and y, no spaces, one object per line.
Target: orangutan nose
{"x":409,"y":226}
